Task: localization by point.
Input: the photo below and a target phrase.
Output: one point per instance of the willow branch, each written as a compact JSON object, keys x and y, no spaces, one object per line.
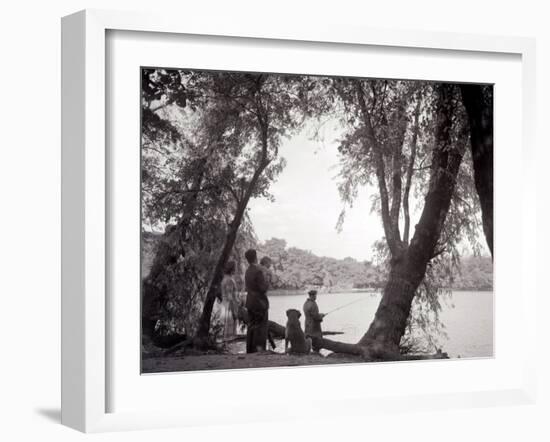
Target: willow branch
{"x":380,"y":168}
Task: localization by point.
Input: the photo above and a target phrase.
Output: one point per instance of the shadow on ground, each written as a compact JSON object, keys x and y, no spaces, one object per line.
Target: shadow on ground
{"x":51,"y":414}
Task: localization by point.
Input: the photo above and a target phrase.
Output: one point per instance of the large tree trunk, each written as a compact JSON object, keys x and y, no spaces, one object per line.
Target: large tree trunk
{"x":408,"y":268}
{"x":214,"y":288}
{"x":478,"y":101}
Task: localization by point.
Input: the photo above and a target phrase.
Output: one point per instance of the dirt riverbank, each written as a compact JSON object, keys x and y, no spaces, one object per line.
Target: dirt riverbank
{"x":235,"y":361}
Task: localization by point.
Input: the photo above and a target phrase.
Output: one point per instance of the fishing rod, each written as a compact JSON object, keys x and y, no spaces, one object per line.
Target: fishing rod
{"x":345,"y":305}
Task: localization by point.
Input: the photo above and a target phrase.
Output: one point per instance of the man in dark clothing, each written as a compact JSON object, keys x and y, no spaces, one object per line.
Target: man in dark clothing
{"x":313,"y":319}
{"x":257,"y":304}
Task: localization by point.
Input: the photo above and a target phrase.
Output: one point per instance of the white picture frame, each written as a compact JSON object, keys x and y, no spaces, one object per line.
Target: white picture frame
{"x":85,"y":308}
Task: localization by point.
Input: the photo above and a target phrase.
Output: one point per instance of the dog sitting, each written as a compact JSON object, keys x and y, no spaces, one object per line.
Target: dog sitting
{"x":294,"y":334}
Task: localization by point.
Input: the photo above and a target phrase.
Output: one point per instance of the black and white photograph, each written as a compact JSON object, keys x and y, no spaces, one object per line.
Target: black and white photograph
{"x":300,"y":220}
{"x":304,"y":220}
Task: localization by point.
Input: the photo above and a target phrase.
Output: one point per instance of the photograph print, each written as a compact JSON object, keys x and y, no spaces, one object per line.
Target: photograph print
{"x":305,"y":220}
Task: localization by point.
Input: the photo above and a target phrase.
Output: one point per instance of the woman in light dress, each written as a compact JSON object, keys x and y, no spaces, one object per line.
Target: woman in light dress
{"x":230,"y":302}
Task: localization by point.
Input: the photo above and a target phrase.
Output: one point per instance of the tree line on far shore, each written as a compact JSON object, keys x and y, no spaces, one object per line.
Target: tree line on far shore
{"x":298,"y":269}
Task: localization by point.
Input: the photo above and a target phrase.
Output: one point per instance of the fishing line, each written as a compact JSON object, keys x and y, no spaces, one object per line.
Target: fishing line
{"x":345,"y":305}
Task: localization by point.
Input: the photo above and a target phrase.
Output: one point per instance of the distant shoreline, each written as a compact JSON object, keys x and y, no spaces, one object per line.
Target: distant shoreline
{"x":288,"y":292}
{"x":291,"y":292}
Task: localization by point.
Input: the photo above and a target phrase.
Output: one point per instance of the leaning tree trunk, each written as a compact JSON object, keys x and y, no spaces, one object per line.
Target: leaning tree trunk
{"x":478,"y":101}
{"x":214,"y":289}
{"x":409,"y":267}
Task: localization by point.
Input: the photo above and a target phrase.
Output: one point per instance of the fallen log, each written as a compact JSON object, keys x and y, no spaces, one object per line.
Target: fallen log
{"x":278,"y":336}
{"x":338,"y":347}
{"x":190,"y":342}
{"x":274,"y":329}
{"x":278,"y":330}
{"x":168,"y":341}
{"x":372,"y":354}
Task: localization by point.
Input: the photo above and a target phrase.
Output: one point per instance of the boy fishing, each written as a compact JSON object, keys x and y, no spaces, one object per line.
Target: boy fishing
{"x":313,"y":319}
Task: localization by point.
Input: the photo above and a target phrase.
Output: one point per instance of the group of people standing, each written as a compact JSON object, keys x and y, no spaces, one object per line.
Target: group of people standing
{"x":257,"y":281}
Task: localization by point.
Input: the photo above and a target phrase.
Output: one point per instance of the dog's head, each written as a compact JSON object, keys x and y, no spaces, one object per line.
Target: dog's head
{"x":293,"y":314}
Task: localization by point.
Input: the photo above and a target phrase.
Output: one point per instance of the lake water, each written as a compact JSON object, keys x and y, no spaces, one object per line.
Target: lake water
{"x":467,"y":317}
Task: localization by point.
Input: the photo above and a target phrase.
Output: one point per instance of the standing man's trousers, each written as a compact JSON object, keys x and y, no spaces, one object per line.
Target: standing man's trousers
{"x":256,"y":332}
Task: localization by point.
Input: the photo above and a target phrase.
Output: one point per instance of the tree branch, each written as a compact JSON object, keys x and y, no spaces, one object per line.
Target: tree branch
{"x":233,"y":193}
{"x":397,"y":170}
{"x":380,"y":169}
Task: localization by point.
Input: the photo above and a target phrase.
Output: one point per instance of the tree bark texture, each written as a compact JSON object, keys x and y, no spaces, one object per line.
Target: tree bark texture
{"x":478,"y":101}
{"x":396,"y":172}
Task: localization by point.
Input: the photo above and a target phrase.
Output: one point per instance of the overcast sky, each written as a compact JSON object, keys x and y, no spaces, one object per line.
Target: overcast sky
{"x":307,"y":204}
